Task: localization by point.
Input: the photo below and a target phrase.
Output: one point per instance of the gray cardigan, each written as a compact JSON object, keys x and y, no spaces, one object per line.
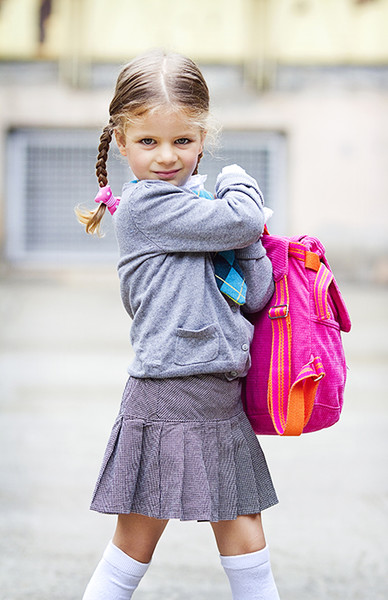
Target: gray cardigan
{"x":181,"y":323}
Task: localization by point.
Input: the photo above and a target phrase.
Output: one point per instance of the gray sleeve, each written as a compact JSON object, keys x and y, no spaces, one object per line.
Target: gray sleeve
{"x":257,"y":269}
{"x":177,"y":220}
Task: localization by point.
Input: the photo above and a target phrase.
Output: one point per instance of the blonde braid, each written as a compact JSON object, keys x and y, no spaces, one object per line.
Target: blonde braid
{"x":195,"y":172}
{"x":92,"y":218}
{"x":102,"y":157}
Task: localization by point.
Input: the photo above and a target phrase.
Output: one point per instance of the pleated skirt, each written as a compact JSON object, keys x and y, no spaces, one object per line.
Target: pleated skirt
{"x":183,"y":449}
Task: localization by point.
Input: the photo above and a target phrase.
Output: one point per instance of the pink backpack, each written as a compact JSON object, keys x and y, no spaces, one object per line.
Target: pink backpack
{"x":298,"y":373}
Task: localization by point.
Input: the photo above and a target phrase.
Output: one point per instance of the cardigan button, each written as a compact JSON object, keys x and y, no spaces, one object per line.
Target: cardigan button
{"x":245,"y":347}
{"x":233,"y":373}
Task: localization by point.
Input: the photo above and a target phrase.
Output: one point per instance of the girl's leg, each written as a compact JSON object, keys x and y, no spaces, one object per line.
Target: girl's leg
{"x":126,"y":558}
{"x":137,"y":535}
{"x":245,"y":558}
{"x":240,"y":536}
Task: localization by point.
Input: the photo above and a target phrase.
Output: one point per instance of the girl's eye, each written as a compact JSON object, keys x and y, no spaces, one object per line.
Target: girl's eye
{"x":147,"y":141}
{"x":182,"y":141}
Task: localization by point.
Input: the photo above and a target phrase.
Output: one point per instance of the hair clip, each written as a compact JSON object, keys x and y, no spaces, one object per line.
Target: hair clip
{"x":106,"y":197}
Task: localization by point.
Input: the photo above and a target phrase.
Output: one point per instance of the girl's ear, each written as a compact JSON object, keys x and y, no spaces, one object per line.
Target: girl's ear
{"x":120,"y":141}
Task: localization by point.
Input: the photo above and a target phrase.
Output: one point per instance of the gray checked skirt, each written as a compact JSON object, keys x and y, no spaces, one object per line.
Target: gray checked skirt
{"x":183,"y":449}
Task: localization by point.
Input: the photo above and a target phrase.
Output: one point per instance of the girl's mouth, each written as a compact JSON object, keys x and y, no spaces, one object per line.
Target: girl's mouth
{"x":167,"y":174}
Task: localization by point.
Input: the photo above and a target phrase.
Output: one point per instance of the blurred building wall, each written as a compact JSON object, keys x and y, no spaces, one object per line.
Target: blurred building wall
{"x":314,"y":70}
{"x":289,"y":31}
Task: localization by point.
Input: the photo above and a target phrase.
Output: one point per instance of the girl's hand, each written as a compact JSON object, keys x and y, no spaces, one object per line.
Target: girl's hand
{"x":235,"y":169}
{"x":234,"y":177}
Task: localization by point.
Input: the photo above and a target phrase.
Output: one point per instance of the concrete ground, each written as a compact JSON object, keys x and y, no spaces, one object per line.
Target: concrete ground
{"x":63,"y":355}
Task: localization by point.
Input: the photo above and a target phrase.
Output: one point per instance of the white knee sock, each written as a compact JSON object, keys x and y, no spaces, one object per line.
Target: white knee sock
{"x":116,"y":577}
{"x":250,"y":576}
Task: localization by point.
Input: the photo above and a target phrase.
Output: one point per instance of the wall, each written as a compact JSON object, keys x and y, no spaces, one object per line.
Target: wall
{"x":222,"y":31}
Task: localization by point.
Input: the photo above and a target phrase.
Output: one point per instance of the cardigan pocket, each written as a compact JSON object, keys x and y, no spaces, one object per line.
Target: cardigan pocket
{"x":196,"y":346}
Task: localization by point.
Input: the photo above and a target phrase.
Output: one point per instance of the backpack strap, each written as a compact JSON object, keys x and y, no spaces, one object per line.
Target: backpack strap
{"x":290,"y":407}
{"x":321,"y":287}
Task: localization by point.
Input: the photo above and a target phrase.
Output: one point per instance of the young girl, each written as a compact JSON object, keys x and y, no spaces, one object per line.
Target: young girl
{"x":190,"y":266}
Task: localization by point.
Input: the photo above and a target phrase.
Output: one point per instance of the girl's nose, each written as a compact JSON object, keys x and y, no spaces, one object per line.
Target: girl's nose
{"x":167,"y":154}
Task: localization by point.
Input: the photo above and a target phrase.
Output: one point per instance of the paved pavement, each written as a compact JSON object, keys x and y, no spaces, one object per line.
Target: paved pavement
{"x":63,"y":355}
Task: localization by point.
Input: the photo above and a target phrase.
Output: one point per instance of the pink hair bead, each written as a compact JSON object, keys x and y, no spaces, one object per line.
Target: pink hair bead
{"x":106,"y":197}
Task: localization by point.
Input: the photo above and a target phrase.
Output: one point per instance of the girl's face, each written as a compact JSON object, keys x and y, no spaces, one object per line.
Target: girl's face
{"x":162,"y":144}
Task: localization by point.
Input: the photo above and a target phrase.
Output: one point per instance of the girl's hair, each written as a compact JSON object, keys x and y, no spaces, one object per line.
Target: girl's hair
{"x":146,"y":83}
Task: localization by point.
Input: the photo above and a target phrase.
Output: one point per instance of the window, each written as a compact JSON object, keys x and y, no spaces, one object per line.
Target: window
{"x":50,"y":171}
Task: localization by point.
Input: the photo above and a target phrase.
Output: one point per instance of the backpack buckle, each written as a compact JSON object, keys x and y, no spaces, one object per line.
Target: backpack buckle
{"x":318,"y":377}
{"x":278,"y":312}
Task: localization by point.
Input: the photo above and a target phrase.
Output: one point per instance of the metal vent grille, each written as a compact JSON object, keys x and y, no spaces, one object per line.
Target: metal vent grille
{"x":52,"y":171}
